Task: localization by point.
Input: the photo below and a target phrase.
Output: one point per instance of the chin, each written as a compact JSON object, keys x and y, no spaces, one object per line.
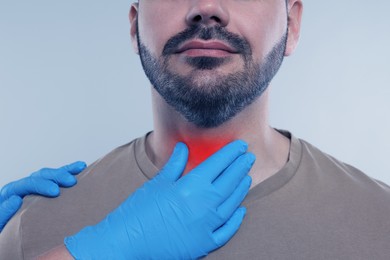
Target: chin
{"x":205,"y":78}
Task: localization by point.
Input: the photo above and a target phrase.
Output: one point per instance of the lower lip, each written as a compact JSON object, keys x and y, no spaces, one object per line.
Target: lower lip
{"x":206,"y":53}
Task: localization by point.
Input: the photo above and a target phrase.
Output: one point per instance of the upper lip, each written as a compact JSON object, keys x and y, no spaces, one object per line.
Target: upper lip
{"x":211,"y":45}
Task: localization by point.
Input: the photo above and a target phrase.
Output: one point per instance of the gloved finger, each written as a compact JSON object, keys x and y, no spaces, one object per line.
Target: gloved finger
{"x":222,"y":235}
{"x":176,"y":164}
{"x":75,"y":168}
{"x":213,"y":166}
{"x":8,"y":208}
{"x":227,"y":182}
{"x":30,"y":185}
{"x":60,"y":176}
{"x":226,"y":209}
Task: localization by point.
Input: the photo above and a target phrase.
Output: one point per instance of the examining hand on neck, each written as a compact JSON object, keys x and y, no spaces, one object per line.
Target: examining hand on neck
{"x":270,"y":147}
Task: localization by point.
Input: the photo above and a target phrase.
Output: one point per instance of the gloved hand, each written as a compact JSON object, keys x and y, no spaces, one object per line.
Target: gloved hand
{"x":172,"y":218}
{"x":45,"y":182}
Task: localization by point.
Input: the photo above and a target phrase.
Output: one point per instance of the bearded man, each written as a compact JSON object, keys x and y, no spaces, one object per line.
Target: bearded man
{"x":210,"y":63}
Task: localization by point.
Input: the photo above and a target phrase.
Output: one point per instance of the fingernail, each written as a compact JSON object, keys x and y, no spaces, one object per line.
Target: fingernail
{"x":14,"y":200}
{"x":243,"y":144}
{"x":249,"y":180}
{"x":70,"y":179}
{"x":251,"y":158}
{"x":54,"y":190}
{"x":80,"y":165}
{"x":243,"y":211}
{"x":178,"y":147}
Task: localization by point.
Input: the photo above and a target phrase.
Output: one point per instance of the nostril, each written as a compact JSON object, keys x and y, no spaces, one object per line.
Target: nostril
{"x":197,"y":18}
{"x":215,"y":18}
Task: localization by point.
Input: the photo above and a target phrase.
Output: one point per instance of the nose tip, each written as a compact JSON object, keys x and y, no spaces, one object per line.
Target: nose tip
{"x":207,"y":12}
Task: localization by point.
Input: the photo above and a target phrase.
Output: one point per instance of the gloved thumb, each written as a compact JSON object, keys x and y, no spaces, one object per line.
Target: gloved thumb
{"x":176,"y":163}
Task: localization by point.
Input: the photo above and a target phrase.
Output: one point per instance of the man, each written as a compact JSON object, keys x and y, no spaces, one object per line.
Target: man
{"x":210,"y":63}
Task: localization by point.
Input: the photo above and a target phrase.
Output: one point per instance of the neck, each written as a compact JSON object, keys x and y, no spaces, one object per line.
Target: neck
{"x":251,"y":125}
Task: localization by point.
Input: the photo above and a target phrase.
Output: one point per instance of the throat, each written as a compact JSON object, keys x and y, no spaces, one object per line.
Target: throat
{"x":200,"y":149}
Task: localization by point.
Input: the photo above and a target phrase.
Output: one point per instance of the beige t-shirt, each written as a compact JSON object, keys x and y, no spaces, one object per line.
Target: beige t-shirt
{"x":315,"y":207}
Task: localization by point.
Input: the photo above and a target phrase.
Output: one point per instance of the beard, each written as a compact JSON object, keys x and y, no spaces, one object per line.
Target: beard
{"x":210,"y":101}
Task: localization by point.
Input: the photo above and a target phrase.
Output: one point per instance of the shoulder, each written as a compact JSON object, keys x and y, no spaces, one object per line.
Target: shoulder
{"x":10,"y":240}
{"x":319,"y":166}
{"x":42,"y":223}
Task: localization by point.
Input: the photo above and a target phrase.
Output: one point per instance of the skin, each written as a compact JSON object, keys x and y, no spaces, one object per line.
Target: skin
{"x":262,"y":23}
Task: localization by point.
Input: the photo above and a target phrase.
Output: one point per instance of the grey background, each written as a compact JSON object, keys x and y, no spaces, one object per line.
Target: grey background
{"x":72,"y":89}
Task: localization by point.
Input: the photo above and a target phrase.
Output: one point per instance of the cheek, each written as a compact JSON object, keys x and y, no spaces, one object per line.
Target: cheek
{"x":263,"y":26}
{"x":157,"y":24}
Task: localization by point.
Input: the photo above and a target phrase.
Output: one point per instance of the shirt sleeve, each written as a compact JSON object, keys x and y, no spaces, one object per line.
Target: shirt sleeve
{"x":11,"y":240}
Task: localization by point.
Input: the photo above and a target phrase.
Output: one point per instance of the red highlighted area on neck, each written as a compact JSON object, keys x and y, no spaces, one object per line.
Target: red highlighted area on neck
{"x":200,"y":149}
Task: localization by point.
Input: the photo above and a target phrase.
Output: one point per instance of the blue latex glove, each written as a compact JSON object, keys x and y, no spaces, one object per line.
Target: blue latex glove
{"x":172,"y":218}
{"x":45,"y":182}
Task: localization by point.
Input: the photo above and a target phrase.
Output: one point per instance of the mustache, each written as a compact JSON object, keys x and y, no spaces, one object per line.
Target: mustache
{"x":207,"y":33}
